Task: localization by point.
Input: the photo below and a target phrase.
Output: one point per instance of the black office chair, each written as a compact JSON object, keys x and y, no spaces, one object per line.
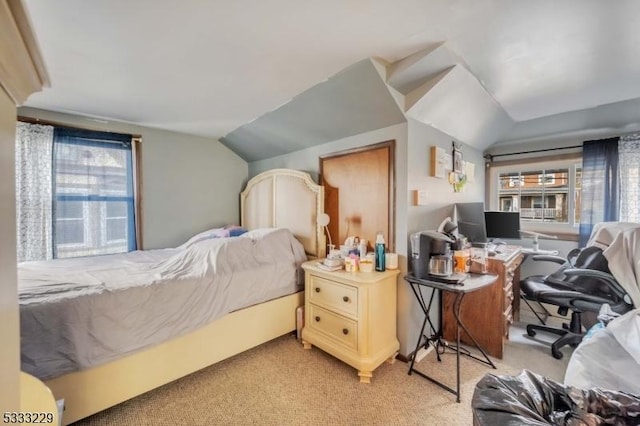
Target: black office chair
{"x":582,"y":284}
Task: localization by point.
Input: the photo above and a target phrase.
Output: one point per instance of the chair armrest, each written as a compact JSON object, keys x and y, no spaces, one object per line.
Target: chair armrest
{"x":604,"y":277}
{"x":549,"y":258}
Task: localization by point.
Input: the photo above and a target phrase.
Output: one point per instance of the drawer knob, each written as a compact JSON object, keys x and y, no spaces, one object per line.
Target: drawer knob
{"x":317,"y":319}
{"x":345,"y":331}
{"x":317,"y":289}
{"x":345,"y":298}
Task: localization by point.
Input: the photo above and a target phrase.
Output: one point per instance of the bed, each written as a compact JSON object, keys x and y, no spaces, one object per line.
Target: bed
{"x":278,"y":198}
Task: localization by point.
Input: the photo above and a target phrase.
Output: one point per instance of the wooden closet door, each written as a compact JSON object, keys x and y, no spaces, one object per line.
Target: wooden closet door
{"x":359,"y":196}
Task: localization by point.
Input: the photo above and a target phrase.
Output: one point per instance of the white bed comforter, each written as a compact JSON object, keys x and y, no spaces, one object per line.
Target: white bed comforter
{"x":79,"y":313}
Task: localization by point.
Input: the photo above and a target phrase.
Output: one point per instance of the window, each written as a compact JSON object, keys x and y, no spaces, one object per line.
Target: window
{"x":546,"y":195}
{"x":93,"y":210}
{"x":515,"y":180}
{"x":70,"y":223}
{"x":74,"y":192}
{"x":548,"y":178}
{"x":115,"y":223}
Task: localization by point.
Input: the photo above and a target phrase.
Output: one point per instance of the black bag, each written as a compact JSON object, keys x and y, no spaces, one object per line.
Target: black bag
{"x":531,"y":399}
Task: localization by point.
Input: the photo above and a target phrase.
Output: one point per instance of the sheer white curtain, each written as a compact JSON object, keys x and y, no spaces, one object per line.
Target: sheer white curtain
{"x":629,"y":162}
{"x":34,"y":144}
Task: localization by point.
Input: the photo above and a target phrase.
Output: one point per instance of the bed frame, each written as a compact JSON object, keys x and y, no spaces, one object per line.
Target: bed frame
{"x":276,"y":198}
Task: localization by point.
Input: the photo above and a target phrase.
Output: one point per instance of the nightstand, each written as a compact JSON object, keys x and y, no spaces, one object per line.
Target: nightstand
{"x":352,"y":316}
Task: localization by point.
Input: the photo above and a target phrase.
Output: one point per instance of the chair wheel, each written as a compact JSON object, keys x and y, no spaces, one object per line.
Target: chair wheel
{"x":530,"y":331}
{"x":556,"y":354}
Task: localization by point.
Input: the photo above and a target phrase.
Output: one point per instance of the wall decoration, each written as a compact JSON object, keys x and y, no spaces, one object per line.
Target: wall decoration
{"x":460,"y":169}
{"x":458,"y":180}
{"x":440,"y":162}
{"x":469,"y":170}
{"x":457,"y":160}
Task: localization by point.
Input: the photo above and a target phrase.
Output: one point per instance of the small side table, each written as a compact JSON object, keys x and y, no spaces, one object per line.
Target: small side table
{"x":352,"y":316}
{"x":473,"y":283}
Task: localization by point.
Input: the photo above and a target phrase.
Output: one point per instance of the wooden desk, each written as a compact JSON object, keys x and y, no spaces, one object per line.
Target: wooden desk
{"x":489,"y":312}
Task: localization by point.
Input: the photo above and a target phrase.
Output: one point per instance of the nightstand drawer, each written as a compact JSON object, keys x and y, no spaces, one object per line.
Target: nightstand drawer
{"x":335,"y":296}
{"x":339,"y":328}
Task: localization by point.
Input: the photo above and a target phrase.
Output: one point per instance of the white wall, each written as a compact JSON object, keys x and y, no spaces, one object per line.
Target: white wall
{"x":189,"y":183}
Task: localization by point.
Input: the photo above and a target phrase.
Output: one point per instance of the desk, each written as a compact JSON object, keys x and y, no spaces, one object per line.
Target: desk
{"x":472,"y":283}
{"x":489,"y":312}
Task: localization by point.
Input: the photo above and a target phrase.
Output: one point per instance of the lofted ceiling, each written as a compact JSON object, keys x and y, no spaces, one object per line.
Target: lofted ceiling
{"x":208,"y":68}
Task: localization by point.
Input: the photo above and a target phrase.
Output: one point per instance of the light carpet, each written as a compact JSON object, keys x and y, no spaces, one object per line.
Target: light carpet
{"x":280,"y":383}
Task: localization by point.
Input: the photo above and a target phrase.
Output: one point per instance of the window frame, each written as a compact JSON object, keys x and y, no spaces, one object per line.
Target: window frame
{"x":570,"y":162}
{"x":104,"y":140}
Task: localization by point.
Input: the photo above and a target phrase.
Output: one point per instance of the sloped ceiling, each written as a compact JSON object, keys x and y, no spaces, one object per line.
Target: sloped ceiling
{"x":207,"y":68}
{"x":441,"y":92}
{"x":438,"y":91}
{"x":351,"y":102}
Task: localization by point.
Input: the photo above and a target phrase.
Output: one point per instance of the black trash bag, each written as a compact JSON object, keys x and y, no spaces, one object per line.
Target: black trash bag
{"x":531,"y":399}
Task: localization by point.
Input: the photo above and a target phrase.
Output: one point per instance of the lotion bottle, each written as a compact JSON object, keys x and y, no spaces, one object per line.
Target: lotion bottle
{"x":363,"y":248}
{"x":380,"y":252}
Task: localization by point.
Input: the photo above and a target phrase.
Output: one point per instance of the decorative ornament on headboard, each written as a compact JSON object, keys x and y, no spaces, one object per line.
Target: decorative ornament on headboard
{"x":457,"y":177}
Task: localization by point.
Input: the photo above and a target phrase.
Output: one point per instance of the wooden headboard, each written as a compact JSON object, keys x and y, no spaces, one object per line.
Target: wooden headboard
{"x":284,"y":198}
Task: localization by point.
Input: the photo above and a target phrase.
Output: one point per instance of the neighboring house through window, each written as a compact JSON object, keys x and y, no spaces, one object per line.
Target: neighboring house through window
{"x":572,"y":194}
{"x":546,"y":195}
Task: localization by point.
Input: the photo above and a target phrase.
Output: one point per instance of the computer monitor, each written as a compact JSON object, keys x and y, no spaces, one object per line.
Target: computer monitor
{"x":470,"y":219}
{"x":502,"y":224}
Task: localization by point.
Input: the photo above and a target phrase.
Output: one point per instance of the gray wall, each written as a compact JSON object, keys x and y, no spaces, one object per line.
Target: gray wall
{"x":308,"y":160}
{"x":189,"y":183}
{"x":421,"y":138}
{"x":413,"y":142}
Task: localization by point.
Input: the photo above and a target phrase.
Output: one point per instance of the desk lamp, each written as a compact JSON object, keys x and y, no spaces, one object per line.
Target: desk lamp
{"x":323,"y":220}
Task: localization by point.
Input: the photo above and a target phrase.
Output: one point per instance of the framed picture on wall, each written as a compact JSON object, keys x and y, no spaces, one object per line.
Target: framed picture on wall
{"x":440,"y":162}
{"x":458,"y":163}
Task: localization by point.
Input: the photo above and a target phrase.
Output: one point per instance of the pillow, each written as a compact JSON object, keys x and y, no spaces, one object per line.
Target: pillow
{"x":228,"y":231}
{"x":225,"y":232}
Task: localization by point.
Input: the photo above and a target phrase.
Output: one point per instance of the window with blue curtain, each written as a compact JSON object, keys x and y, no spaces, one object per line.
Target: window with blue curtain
{"x":93,"y":193}
{"x":600,"y":185}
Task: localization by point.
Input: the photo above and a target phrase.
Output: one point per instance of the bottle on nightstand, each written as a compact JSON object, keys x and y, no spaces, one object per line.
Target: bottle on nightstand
{"x":380,"y":252}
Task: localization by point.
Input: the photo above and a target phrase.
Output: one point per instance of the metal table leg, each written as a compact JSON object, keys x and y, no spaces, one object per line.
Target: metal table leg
{"x":437,"y":338}
{"x":456,"y":313}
